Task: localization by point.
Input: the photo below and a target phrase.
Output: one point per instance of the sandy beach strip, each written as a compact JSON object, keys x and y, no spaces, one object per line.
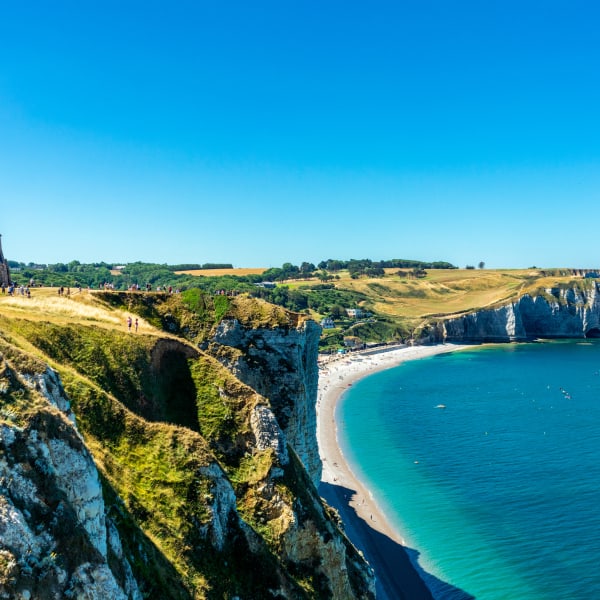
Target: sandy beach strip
{"x":364,"y":522}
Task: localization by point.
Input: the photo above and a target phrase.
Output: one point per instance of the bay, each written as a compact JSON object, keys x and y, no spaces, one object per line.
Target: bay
{"x":488,"y":462}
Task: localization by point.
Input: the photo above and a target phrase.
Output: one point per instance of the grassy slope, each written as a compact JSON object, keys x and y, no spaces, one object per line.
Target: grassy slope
{"x":149,"y":469}
{"x":410,"y":302}
{"x":148,"y":461}
{"x":122,"y":394}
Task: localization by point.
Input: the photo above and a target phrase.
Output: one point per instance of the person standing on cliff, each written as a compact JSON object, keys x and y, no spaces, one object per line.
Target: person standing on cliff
{"x":129,"y":323}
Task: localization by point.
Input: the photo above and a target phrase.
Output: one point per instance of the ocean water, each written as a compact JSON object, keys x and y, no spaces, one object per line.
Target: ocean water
{"x":498,"y":493}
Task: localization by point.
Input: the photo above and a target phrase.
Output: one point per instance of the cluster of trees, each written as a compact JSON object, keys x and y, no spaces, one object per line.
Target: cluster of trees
{"x":289,"y":271}
{"x":198,"y":267}
{"x":324,"y":299}
{"x":356,"y":267}
{"x":95,"y":275}
{"x":60,"y":274}
{"x":394,"y":263}
{"x":320,"y":297}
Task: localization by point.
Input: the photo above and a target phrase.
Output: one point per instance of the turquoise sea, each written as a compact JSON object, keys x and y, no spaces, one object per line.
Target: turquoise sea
{"x":498,"y":493}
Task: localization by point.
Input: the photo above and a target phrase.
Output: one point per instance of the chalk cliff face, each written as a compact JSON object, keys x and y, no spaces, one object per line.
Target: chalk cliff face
{"x":56,"y":540}
{"x":572,"y":312}
{"x":148,"y":468}
{"x":281,"y":365}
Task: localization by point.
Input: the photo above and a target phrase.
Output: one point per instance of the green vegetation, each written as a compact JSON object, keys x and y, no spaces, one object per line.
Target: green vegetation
{"x":162,"y":420}
{"x":396,"y":296}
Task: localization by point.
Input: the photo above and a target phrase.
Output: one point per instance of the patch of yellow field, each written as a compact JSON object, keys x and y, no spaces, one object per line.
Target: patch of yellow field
{"x":78,"y":307}
{"x":221,"y":272}
{"x":447,"y":291}
{"x":45,"y":304}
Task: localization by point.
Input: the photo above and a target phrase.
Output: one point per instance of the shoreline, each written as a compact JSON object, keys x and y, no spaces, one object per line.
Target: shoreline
{"x":365,"y":523}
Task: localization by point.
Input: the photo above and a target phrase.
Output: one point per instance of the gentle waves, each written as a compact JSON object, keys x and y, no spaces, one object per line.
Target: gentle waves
{"x":498,"y":492}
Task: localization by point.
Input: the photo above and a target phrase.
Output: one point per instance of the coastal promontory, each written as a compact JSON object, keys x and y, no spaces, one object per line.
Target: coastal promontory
{"x":173,"y":459}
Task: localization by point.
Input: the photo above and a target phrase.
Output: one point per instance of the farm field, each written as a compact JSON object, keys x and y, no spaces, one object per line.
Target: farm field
{"x":442,"y":291}
{"x":222,"y":272}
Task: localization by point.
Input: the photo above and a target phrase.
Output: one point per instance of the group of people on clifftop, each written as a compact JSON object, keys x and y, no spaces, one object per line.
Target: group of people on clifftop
{"x":23,"y":290}
{"x":131,"y":323}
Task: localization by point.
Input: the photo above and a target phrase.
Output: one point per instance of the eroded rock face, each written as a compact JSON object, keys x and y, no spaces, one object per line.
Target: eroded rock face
{"x":48,"y":384}
{"x":268,"y":433}
{"x":499,"y":325}
{"x":304,"y":543}
{"x":557,"y":313}
{"x":53,"y":528}
{"x":281,"y":365}
{"x":222,"y":506}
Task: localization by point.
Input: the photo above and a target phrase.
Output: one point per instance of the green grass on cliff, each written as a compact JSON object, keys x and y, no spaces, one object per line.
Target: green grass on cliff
{"x":224,"y":406}
{"x":154,"y":412}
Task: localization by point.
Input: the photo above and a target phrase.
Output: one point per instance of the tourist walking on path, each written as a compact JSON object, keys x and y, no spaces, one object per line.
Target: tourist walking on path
{"x":129,"y":323}
{"x":136,"y":324}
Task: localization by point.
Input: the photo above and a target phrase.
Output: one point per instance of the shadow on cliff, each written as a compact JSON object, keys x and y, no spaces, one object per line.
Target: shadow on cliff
{"x":397,"y":570}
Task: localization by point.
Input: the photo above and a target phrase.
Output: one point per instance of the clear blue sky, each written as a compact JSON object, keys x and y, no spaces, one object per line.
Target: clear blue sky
{"x":259,"y":133}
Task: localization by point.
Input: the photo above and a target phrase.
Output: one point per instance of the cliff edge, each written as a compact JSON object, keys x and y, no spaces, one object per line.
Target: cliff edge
{"x":571,"y":311}
{"x":174,"y":462}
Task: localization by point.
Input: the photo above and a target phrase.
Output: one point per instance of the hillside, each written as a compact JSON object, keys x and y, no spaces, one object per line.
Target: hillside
{"x":402,"y":305}
{"x":135,"y":464}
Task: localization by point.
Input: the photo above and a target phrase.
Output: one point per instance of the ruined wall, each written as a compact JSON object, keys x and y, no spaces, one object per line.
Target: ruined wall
{"x":4,"y":270}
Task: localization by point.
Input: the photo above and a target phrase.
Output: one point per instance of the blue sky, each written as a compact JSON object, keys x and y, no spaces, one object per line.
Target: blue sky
{"x":259,"y":133}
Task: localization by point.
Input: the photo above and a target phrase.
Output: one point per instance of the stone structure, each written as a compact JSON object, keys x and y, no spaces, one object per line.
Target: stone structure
{"x":4,"y":270}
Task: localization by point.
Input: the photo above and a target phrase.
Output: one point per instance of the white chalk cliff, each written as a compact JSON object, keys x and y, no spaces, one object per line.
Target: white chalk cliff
{"x":56,"y":540}
{"x":566,"y":312}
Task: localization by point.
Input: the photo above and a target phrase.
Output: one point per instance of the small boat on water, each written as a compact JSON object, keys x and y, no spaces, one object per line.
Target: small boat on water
{"x":441,"y":406}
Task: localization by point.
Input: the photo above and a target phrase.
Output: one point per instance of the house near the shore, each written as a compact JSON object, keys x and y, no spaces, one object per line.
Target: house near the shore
{"x":353,"y":342}
{"x":354,"y":313}
{"x":327,"y":323}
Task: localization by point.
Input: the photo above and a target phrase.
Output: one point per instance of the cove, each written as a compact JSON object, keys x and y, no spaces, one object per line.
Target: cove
{"x":498,"y":491}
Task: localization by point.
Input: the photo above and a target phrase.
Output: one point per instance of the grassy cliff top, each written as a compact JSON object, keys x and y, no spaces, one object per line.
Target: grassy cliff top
{"x":399,"y":297}
{"x":447,"y":291}
{"x":172,"y":435}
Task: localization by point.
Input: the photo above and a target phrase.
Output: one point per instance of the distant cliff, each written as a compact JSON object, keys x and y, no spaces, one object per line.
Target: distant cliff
{"x":562,"y":312}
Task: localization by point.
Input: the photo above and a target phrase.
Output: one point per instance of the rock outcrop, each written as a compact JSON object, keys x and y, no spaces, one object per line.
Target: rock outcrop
{"x":569,"y":312}
{"x":280,"y":363}
{"x":56,"y":540}
{"x":162,"y":467}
